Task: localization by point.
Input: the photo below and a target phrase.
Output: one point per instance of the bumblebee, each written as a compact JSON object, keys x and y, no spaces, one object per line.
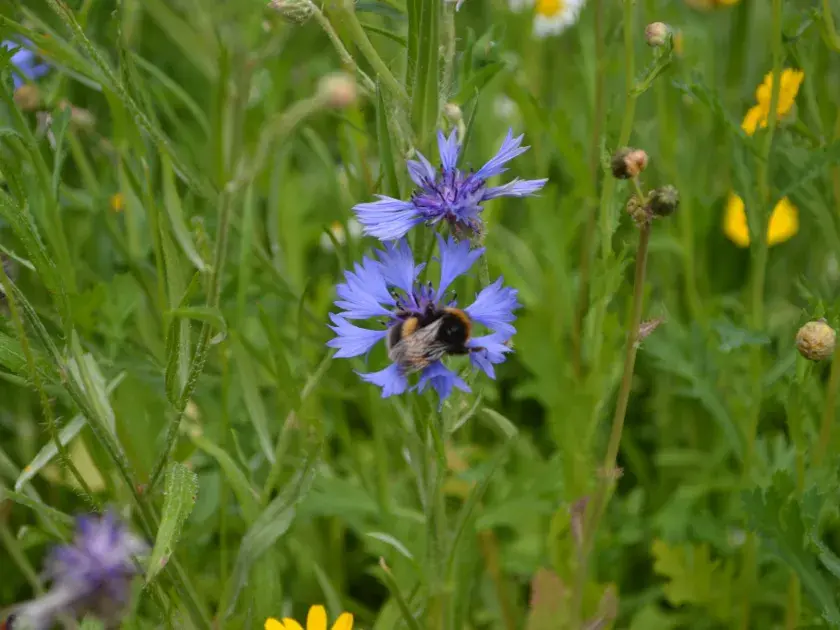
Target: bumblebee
{"x":419,"y":340}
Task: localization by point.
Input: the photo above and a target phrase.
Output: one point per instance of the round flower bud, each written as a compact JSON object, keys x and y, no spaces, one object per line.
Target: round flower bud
{"x":816,"y":340}
{"x":627,"y":163}
{"x":293,"y":11}
{"x":656,"y":34}
{"x":637,"y":211}
{"x":452,"y":112}
{"x":27,"y":97}
{"x":663,"y":202}
{"x":338,"y":90}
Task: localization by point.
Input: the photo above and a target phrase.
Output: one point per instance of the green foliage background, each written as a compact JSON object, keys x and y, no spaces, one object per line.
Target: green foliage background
{"x":198,"y":313}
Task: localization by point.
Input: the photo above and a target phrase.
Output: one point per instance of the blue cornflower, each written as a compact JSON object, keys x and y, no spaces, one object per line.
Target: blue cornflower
{"x":388,"y":289}
{"x":25,"y":62}
{"x":448,"y":194}
{"x":91,"y":575}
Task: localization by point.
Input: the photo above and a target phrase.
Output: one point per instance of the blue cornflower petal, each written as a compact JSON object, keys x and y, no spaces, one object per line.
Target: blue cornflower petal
{"x":516,"y":188}
{"x":391,"y":380}
{"x":352,"y":340}
{"x":24,"y":61}
{"x":363,"y":294}
{"x":492,"y":350}
{"x":449,"y":150}
{"x":456,"y":258}
{"x":421,"y":171}
{"x":397,"y":265}
{"x":510,"y":149}
{"x":442,"y":379}
{"x":494,"y":307}
{"x":388,"y":218}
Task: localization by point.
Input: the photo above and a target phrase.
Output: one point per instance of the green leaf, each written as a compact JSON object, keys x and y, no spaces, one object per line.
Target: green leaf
{"x":268,"y":527}
{"x":812,"y":168}
{"x":179,"y":498}
{"x":424,"y":98}
{"x":663,"y":56}
{"x":390,"y":183}
{"x":473,"y":86}
{"x":249,"y":382}
{"x":246,"y":495}
{"x":172,"y":204}
{"x":777,"y":515}
{"x":550,"y":603}
{"x":91,"y":623}
{"x":208,"y":314}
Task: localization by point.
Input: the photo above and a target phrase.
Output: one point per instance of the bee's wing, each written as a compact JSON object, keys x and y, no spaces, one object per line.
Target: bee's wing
{"x":419,"y":349}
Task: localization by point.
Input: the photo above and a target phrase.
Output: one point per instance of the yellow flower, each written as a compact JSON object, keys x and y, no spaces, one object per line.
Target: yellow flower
{"x":757,"y":116}
{"x":117,"y":202}
{"x":315,"y":620}
{"x":784,"y":222}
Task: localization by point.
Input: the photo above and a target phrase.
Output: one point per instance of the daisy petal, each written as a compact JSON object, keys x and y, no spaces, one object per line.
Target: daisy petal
{"x":351,"y":340}
{"x":456,"y":258}
{"x":442,"y":380}
{"x":344,"y":622}
{"x":388,"y":218}
{"x":494,"y":307}
{"x":316,"y":619}
{"x":510,"y":149}
{"x":391,"y":380}
{"x":449,"y":150}
{"x":516,"y":188}
{"x":397,"y":265}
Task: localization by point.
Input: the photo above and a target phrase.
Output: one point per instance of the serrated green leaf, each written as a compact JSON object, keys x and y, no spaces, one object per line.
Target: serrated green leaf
{"x":776,"y":513}
{"x":181,"y":490}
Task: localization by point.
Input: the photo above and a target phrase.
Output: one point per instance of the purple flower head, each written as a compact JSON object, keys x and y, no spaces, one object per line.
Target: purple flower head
{"x":447,"y":194}
{"x":388,"y":289}
{"x":25,"y":62}
{"x":91,"y":575}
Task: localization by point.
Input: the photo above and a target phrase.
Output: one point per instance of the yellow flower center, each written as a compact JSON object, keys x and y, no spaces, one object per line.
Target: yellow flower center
{"x":550,"y":8}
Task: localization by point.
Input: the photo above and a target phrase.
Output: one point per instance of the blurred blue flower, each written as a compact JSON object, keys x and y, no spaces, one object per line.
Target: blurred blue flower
{"x":388,"y":289}
{"x":92,"y":575}
{"x":25,"y":61}
{"x":448,"y":194}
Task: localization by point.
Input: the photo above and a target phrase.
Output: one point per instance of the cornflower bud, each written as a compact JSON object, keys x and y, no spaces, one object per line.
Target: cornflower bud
{"x":656,"y":34}
{"x":452,"y":112}
{"x":628,"y":163}
{"x":338,"y":90}
{"x":293,"y":11}
{"x":664,"y":201}
{"x":816,"y":340}
{"x":27,"y":97}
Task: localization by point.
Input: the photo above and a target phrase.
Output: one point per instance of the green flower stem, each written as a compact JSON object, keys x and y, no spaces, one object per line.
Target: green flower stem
{"x":594,"y":170}
{"x":829,"y":32}
{"x":346,"y":58}
{"x":19,"y":558}
{"x":447,"y":43}
{"x":203,"y":345}
{"x":607,"y":475}
{"x":364,"y":44}
{"x":759,"y":271}
{"x":608,"y":190}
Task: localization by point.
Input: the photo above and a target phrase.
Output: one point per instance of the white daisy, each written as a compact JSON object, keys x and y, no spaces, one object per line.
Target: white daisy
{"x":517,"y":6}
{"x":552,"y":17}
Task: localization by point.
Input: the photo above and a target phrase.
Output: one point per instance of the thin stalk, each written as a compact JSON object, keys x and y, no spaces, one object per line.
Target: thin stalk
{"x":594,"y":170}
{"x":759,"y":271}
{"x":795,"y":428}
{"x":598,"y":505}
{"x":37,"y":382}
{"x":203,"y":346}
{"x":490,"y":552}
{"x":20,"y":559}
{"x":447,"y":44}
{"x":346,"y":58}
{"x":360,"y":38}
{"x":608,"y":189}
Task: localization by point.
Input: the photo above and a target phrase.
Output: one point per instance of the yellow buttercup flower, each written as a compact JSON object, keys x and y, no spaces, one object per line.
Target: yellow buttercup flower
{"x":315,"y":620}
{"x":784,"y":222}
{"x":757,"y":115}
